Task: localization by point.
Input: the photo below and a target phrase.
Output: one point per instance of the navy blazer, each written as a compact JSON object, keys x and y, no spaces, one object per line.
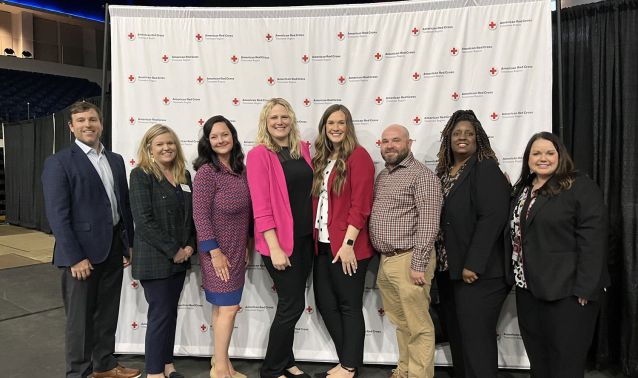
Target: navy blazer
{"x":473,"y":218}
{"x":565,"y":243}
{"x":78,"y":209}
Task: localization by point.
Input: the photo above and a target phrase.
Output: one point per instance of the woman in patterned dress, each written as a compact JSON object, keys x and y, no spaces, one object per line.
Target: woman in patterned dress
{"x":222,"y":213}
{"x":470,"y":249}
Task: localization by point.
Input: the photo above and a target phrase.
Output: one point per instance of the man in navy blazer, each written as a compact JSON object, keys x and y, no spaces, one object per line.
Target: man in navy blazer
{"x":87,"y":205}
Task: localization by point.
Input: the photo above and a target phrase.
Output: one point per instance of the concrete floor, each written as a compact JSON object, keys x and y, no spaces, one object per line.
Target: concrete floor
{"x":32,"y":320}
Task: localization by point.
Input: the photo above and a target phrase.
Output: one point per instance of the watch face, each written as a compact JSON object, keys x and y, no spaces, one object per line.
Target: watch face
{"x":350,"y":242}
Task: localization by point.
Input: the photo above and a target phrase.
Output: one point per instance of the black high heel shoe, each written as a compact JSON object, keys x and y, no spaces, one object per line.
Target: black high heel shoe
{"x":351,"y":370}
{"x":291,"y":375}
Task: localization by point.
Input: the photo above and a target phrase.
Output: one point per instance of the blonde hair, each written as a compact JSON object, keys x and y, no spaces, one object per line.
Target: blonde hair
{"x":148,"y":164}
{"x":264,"y":137}
{"x":324,"y":148}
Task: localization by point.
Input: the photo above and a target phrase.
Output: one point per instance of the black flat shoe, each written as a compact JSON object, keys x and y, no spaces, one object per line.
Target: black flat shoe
{"x":175,"y":374}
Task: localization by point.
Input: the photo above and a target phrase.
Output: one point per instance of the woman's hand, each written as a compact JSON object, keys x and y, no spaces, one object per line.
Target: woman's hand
{"x":582,"y":301}
{"x":279,"y":259}
{"x":220,"y":264}
{"x":348,"y":259}
{"x":469,"y":277}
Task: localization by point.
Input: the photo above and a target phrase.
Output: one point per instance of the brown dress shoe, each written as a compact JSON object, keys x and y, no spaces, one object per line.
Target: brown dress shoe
{"x":119,"y":372}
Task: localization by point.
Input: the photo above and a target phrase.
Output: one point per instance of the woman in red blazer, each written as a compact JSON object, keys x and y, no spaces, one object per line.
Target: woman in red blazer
{"x":342,"y":199}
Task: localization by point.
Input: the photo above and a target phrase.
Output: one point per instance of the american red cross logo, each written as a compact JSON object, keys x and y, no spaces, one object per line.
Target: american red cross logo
{"x":381,"y":311}
{"x":134,"y":284}
{"x":493,"y":71}
{"x":203,"y":327}
{"x":342,"y":79}
{"x":454,"y":51}
{"x":131,"y":120}
{"x":378,"y":56}
{"x":131,"y":36}
{"x":309,"y":309}
{"x":494,"y":116}
{"x":268,"y":37}
{"x":415,"y":31}
{"x":132,"y":162}
{"x":378,"y":143}
{"x":305,"y":58}
{"x":166,"y":100}
{"x":492,"y":25}
{"x":235,"y":101}
{"x":417,"y":120}
{"x":200,"y":122}
{"x":131,"y":78}
{"x":134,"y":325}
{"x":165,"y":58}
{"x":416,"y":76}
{"x":200,"y":79}
{"x":234,"y":59}
{"x":340,"y":35}
{"x":378,"y":100}
{"x":455,"y":96}
{"x":270,"y":80}
{"x":306,"y":102}
{"x":198,"y":37}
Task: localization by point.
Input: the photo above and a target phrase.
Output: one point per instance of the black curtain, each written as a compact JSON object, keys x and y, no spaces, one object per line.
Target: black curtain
{"x":600,"y":128}
{"x":19,"y":173}
{"x":43,"y":148}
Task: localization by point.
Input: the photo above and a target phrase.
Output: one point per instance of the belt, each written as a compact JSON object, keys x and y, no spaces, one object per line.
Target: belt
{"x":396,"y":252}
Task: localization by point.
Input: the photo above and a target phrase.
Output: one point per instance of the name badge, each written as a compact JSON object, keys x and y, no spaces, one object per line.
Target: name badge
{"x":185,"y":188}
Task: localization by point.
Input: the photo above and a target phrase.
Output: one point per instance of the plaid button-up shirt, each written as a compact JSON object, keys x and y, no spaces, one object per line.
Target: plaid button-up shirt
{"x":406,"y":210}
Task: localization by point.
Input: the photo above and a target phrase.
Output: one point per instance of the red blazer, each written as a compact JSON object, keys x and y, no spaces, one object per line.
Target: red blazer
{"x":352,"y":206}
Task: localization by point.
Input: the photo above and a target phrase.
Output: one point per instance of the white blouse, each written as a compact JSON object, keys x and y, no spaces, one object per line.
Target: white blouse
{"x":321,"y":223}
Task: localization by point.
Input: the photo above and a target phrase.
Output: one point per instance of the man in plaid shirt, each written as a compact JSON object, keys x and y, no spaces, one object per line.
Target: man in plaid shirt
{"x":403,"y":226}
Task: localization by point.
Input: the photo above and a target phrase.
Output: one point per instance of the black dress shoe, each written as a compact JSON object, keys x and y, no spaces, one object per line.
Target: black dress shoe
{"x":291,"y":375}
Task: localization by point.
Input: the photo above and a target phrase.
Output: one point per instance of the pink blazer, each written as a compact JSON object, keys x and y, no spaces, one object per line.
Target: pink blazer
{"x":269,"y":194}
{"x":352,"y":206}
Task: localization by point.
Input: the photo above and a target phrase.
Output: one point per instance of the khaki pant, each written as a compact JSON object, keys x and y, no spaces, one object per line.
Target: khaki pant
{"x":407,"y":306}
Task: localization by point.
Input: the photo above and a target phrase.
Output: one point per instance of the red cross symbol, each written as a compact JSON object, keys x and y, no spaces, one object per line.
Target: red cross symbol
{"x":134,"y":325}
{"x":455,"y":96}
{"x":134,"y":284}
{"x":306,"y":102}
{"x":416,"y":76}
{"x":309,"y":309}
{"x":341,"y":36}
{"x":381,"y":311}
{"x":203,"y":327}
{"x":305,"y":58}
{"x":271,"y":81}
{"x":198,"y":37}
{"x":417,"y":120}
{"x":132,"y":161}
{"x":378,"y":56}
{"x":235,"y":101}
{"x":268,"y":37}
{"x":494,"y":116}
{"x":166,"y":100}
{"x":378,"y":143}
{"x":131,"y":36}
{"x":342,"y":79}
{"x":200,"y":121}
{"x":234,"y":59}
{"x":307,"y":143}
{"x":378,"y":100}
{"x":131,"y":78}
{"x":131,"y":120}
{"x":415,"y":31}
{"x":493,"y":71}
{"x":165,"y":58}
{"x":454,"y":51}
{"x":492,"y":25}
{"x":200,"y":79}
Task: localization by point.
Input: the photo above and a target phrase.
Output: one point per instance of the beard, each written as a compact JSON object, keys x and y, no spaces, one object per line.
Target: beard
{"x":400,"y":156}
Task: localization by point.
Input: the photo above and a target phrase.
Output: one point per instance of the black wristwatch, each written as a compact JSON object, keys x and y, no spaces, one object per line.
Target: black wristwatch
{"x":350,"y":242}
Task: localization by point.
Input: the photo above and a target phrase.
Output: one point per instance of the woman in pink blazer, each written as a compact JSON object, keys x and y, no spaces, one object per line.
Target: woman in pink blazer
{"x":342,"y":190}
{"x":279,"y":173}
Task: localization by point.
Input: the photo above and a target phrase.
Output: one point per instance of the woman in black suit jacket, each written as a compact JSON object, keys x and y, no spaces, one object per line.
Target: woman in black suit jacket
{"x":470,"y":248}
{"x":164,"y":240}
{"x":558,"y":231}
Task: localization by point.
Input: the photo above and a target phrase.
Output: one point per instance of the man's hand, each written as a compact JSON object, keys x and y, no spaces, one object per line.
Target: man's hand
{"x":82,"y":270}
{"x":418,"y":278}
{"x":469,"y":277}
{"x":182,"y":255}
{"x":126,"y":261}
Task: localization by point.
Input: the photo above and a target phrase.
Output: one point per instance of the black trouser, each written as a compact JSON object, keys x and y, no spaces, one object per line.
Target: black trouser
{"x":291,"y":294}
{"x":471,"y":315}
{"x":339,"y":299}
{"x":91,"y":308}
{"x":557,"y":334}
{"x":162,"y":296}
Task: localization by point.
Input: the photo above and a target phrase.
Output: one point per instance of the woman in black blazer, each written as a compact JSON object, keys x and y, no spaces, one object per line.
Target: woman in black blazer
{"x":558,"y":231}
{"x":164,"y":240}
{"x":470,"y":249}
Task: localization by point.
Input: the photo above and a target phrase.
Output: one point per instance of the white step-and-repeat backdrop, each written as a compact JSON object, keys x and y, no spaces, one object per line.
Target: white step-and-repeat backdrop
{"x":412,"y":63}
